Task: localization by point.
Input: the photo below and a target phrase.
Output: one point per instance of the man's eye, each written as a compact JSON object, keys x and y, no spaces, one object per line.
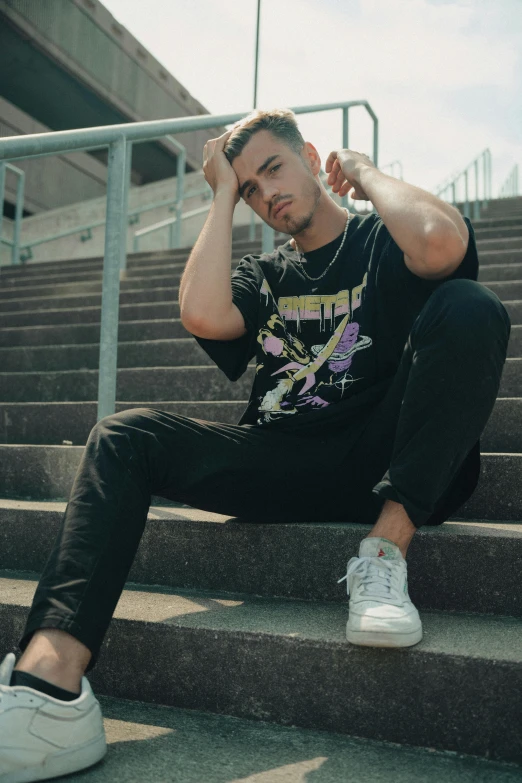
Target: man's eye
{"x":271,"y":170}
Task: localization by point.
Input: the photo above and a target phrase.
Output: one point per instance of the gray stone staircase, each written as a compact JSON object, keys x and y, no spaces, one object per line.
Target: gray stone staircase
{"x":247,"y":620}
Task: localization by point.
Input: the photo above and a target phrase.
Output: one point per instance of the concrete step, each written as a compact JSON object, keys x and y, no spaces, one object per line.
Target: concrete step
{"x":162,"y":293}
{"x":155,"y":353}
{"x":151,"y":277}
{"x":42,"y":423}
{"x":495,"y":272}
{"x":156,"y":383}
{"x":43,"y":472}
{"x":155,"y":329}
{"x":288,"y":661}
{"x":184,"y":547}
{"x":133,"y":259}
{"x":53,"y":422}
{"x":145,"y":739}
{"x":505,"y":290}
{"x":164,"y":383}
{"x":500,"y":243}
{"x":160,"y":273}
{"x":93,"y":299}
{"x":507,"y":237}
{"x":79,"y":334}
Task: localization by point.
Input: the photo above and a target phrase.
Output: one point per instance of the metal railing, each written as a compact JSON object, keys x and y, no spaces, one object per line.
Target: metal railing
{"x":118,"y":139}
{"x":22,"y":252}
{"x":510,"y":186}
{"x":478,"y":203}
{"x":19,"y":209}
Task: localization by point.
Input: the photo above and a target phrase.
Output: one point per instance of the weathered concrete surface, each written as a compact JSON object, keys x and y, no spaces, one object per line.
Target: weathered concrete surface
{"x":152,"y":353}
{"x":289,"y":662}
{"x":165,"y":383}
{"x":24,"y":422}
{"x":47,"y":472}
{"x":53,"y":422}
{"x":156,"y":383}
{"x":79,"y":334}
{"x":170,"y":745}
{"x":185,"y":547}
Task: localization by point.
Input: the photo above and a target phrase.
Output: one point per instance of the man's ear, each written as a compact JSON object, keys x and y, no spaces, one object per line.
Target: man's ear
{"x":312,"y":157}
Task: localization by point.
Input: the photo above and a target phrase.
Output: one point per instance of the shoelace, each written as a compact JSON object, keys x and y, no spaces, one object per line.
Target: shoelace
{"x":380,"y":575}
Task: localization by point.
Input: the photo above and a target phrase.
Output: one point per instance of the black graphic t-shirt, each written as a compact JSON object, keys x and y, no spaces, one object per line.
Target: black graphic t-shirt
{"x":325,"y":351}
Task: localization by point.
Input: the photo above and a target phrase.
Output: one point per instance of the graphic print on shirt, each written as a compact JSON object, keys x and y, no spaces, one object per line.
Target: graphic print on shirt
{"x":314,"y":376}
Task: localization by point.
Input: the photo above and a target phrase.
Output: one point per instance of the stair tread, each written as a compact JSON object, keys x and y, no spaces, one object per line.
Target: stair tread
{"x":457,"y":634}
{"x":180,"y":513}
{"x":158,"y":743}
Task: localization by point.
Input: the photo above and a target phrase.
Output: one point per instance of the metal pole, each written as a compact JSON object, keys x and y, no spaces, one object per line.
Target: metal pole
{"x":476,"y":208}
{"x":257,"y":52}
{"x":180,"y":186}
{"x":2,"y":192}
{"x":111,"y":280}
{"x":125,"y":209}
{"x":19,"y":211}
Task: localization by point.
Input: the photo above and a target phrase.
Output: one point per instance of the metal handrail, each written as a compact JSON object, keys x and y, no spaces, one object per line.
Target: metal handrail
{"x":510,"y":186}
{"x":478,"y":203}
{"x":118,"y":139}
{"x":19,"y":209}
{"x":168,"y":222}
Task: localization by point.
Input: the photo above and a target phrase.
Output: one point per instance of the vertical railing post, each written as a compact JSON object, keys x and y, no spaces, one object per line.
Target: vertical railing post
{"x":125,"y":209}
{"x":19,"y":212}
{"x":2,"y":192}
{"x":111,"y":280}
{"x":180,"y":189}
{"x":344,"y":199}
{"x":268,"y":238}
{"x":476,"y":206}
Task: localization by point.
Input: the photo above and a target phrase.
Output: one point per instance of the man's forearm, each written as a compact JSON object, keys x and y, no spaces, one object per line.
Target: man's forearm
{"x":411,"y":214}
{"x":205,"y":291}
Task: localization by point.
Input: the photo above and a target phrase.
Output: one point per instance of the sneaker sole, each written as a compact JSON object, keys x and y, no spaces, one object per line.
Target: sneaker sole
{"x":63,"y":763}
{"x":383,"y":638}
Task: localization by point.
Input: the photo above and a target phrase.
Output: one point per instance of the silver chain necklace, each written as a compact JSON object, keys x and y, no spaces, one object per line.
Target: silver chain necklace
{"x":333,"y":259}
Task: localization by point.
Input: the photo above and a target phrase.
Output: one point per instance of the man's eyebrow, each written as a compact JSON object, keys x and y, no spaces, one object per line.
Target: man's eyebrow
{"x":260,"y":170}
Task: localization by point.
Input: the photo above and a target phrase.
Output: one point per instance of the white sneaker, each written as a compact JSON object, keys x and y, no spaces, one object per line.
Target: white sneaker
{"x":42,"y":737}
{"x":381,"y":613}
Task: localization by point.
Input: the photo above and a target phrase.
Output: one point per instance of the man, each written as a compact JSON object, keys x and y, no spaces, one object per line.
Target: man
{"x":378,"y":362}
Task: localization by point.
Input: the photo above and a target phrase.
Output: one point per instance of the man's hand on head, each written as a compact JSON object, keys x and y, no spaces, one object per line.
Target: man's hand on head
{"x":217,"y":171}
{"x":343,"y":167}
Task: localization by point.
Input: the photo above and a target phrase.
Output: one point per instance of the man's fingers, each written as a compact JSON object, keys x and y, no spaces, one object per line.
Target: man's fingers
{"x":332,"y":157}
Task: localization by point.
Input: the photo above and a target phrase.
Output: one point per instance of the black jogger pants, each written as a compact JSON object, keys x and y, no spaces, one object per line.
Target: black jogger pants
{"x":411,"y":451}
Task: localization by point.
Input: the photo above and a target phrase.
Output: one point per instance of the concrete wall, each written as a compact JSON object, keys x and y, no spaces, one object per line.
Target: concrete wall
{"x":51,"y":181}
{"x":54,"y":221}
{"x":73,"y":65}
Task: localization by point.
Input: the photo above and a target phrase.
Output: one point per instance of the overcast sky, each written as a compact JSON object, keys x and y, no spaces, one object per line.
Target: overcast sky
{"x":444,"y":77}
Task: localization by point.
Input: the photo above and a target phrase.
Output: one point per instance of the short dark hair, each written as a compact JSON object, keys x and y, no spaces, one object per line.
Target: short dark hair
{"x":281,"y":123}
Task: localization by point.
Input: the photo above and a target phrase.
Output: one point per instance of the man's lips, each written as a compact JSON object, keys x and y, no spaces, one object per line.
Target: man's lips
{"x":280,"y":207}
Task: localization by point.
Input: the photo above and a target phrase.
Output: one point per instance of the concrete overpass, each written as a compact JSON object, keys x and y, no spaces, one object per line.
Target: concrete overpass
{"x":70,"y":64}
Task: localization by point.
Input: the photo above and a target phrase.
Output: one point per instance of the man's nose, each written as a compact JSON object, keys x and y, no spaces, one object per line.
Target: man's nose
{"x":270,"y":193}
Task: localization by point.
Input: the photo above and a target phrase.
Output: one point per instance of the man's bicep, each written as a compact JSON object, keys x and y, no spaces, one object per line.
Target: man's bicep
{"x":227,"y":327}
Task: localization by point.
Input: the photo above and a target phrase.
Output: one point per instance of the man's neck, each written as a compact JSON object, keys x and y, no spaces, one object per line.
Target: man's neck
{"x":329,"y":221}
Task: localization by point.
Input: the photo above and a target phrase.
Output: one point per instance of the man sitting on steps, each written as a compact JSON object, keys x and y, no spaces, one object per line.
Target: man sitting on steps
{"x":378,"y":363}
